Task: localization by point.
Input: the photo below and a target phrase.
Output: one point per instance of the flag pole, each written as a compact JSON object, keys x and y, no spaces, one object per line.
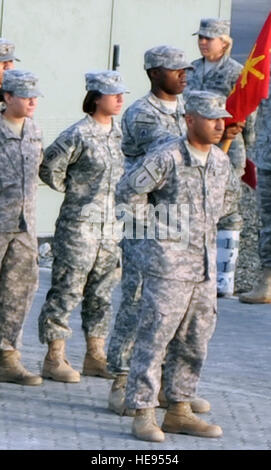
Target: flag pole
{"x":225,"y":145}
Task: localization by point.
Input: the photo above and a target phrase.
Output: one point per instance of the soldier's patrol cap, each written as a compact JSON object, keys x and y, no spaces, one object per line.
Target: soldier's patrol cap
{"x":213,"y":27}
{"x":21,"y":83}
{"x":167,"y":57}
{"x":108,"y":82}
{"x":207,"y":104}
{"x":7,"y":50}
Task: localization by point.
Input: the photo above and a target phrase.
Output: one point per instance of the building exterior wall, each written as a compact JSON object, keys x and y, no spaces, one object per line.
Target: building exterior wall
{"x":60,"y":40}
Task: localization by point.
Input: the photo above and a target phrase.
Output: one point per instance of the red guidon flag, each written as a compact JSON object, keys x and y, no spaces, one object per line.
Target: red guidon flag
{"x":251,"y":87}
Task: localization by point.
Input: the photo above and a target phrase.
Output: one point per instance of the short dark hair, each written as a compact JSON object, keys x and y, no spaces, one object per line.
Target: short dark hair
{"x":150,"y":70}
{"x":2,"y":92}
{"x":89,"y":105}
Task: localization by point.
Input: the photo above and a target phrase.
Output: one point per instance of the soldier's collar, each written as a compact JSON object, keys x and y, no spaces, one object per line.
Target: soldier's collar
{"x":7,"y":131}
{"x":97,"y":130}
{"x":161,"y":107}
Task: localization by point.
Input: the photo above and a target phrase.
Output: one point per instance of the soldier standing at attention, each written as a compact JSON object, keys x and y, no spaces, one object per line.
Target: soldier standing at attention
{"x":85,"y":162}
{"x":217,"y":72}
{"x":261,"y":292}
{"x":20,"y":157}
{"x":145,"y":123}
{"x":177,"y":312}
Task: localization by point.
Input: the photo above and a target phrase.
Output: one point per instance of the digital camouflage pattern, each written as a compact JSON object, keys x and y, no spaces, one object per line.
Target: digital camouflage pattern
{"x":123,"y":335}
{"x":213,"y":27}
{"x":147,"y":120}
{"x":221,"y":79}
{"x":264,"y":201}
{"x":263,"y":162}
{"x":21,"y":83}
{"x":19,"y":163}
{"x":19,"y":281}
{"x":167,"y":57}
{"x":207,"y":104}
{"x":108,"y":82}
{"x":83,"y":270}
{"x":7,"y":49}
{"x":172,"y":176}
{"x":176,"y":321}
{"x":86,"y":164}
{"x":145,"y":123}
{"x":263,"y":133}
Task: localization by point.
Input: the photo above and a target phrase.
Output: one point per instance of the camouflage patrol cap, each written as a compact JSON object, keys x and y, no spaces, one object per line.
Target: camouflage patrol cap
{"x":213,"y":27}
{"x":7,"y":50}
{"x":207,"y":104}
{"x":108,"y":82}
{"x":21,"y":83}
{"x":167,"y":57}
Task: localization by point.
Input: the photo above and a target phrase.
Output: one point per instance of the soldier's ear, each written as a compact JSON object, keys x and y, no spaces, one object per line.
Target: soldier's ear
{"x":7,"y":97}
{"x":189,"y":119}
{"x":154,"y":73}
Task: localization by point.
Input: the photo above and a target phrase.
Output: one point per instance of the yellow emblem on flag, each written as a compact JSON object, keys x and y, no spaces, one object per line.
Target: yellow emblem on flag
{"x":249,"y":67}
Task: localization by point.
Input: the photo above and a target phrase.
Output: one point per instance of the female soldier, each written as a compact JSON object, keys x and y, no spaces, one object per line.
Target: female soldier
{"x":85,"y":162}
{"x":216,"y":71}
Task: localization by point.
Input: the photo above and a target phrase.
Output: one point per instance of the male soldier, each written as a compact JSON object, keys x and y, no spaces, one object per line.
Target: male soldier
{"x":177,"y":312}
{"x":150,"y":119}
{"x":261,"y":293}
{"x":20,"y":156}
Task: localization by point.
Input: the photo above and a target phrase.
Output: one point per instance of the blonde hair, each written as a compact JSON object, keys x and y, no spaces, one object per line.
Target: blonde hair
{"x":228,"y":41}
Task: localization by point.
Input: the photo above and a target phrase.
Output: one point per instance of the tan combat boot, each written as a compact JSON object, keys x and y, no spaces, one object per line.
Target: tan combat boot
{"x":95,"y":363}
{"x":116,"y":400}
{"x":179,"y":418}
{"x":56,"y":366}
{"x":145,"y":426}
{"x":12,"y":370}
{"x":198,"y":405}
{"x":261,"y":292}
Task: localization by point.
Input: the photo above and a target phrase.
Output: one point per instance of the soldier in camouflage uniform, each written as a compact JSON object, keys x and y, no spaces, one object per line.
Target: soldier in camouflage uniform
{"x":261,"y":293}
{"x":145,"y":123}
{"x":20,"y":157}
{"x":85,"y":162}
{"x":216,"y":71}
{"x":177,"y":312}
{"x":6,"y":62}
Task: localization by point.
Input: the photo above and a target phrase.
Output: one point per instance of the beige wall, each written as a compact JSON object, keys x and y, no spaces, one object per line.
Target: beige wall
{"x":60,"y":40}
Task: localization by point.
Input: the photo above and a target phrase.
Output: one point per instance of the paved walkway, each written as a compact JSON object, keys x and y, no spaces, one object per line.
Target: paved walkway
{"x":236,"y":380}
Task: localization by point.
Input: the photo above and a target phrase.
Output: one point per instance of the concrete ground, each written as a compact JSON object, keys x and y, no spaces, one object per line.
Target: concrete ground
{"x":57,"y":416}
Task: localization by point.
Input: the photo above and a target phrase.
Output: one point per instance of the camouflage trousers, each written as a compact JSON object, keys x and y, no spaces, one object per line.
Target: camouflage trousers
{"x":237,"y":156}
{"x":83,"y":269}
{"x":18,"y":283}
{"x":124,"y":331}
{"x":264,"y":202}
{"x":176,"y":321}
